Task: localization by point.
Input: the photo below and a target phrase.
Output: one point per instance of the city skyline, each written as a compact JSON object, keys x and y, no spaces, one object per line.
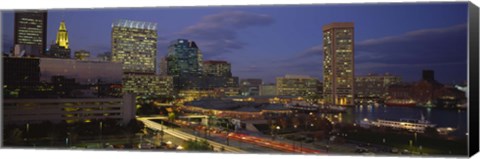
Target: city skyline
{"x":256,"y":42}
{"x":348,"y":79}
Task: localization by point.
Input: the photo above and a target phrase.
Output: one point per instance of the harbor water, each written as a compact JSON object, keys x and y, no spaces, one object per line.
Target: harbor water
{"x":454,"y":118}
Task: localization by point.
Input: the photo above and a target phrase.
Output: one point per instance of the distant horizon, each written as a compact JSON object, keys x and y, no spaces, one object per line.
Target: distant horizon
{"x":266,"y":42}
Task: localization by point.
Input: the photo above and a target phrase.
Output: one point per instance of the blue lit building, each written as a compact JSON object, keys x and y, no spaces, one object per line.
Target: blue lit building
{"x":184,"y":58}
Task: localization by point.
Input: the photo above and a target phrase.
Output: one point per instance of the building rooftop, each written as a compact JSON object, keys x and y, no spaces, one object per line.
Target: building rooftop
{"x":215,"y":62}
{"x":235,"y":106}
{"x":338,"y":25}
{"x":135,"y":24}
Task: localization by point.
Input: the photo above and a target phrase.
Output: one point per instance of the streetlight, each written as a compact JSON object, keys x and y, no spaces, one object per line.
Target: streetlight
{"x":101,"y":129}
{"x":169,"y":144}
{"x":295,"y":127}
{"x":278,"y":129}
{"x":28,"y":129}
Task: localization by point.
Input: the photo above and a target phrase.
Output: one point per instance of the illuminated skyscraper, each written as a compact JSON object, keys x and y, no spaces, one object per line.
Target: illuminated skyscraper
{"x":184,"y":58}
{"x":184,"y":63}
{"x":30,"y":33}
{"x":338,"y":63}
{"x":134,"y":43}
{"x":61,"y":47}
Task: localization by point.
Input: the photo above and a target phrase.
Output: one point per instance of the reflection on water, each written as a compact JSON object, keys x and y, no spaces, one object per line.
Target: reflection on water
{"x":441,"y":117}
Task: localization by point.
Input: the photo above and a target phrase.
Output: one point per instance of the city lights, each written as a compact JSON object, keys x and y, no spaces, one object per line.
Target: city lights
{"x":239,"y":81}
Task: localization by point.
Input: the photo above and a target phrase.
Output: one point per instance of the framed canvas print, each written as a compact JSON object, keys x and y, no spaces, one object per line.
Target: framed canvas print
{"x":373,"y":79}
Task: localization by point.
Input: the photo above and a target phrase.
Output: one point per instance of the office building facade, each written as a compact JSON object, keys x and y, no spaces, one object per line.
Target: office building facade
{"x":69,"y":110}
{"x":268,"y":90}
{"x":184,"y":58}
{"x":217,"y":68}
{"x":30,"y":33}
{"x":297,"y":85}
{"x":374,"y":86}
{"x":338,"y":64}
{"x":148,"y":84}
{"x":134,"y":43}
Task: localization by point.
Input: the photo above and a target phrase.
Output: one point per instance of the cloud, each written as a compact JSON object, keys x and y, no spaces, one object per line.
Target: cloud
{"x":434,"y":48}
{"x":425,"y":46}
{"x":217,"y":33}
{"x":316,"y":50}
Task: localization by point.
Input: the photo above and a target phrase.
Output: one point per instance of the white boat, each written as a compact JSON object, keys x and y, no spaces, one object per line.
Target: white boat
{"x":412,"y":125}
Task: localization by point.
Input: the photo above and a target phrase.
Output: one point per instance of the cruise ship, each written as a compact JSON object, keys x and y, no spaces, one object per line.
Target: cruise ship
{"x":412,"y":125}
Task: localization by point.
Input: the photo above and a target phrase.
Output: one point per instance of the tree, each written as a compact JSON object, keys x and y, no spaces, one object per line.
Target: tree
{"x":171,"y":116}
{"x":195,"y":145}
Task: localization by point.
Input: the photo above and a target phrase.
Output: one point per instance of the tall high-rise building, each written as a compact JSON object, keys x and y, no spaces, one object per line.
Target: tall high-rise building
{"x":184,"y":63}
{"x":30,"y":33}
{"x":338,"y":63}
{"x":134,"y":43}
{"x":184,"y":58}
{"x":61,"y":47}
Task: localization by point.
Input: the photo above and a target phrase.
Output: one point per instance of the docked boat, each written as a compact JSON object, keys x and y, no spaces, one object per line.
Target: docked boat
{"x":412,"y":125}
{"x":401,"y":102}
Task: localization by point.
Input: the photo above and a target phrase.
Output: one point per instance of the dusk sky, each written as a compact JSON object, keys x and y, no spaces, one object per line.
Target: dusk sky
{"x":271,"y":41}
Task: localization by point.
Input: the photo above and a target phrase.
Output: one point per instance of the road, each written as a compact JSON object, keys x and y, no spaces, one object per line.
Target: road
{"x":184,"y":136}
{"x":246,"y":142}
{"x":282,"y":146}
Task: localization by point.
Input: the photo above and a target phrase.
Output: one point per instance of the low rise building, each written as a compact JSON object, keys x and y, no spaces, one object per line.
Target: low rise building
{"x":70,"y":110}
{"x":235,"y":109}
{"x":268,"y":90}
{"x":297,"y":85}
{"x":374,"y":86}
{"x":148,"y":84}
